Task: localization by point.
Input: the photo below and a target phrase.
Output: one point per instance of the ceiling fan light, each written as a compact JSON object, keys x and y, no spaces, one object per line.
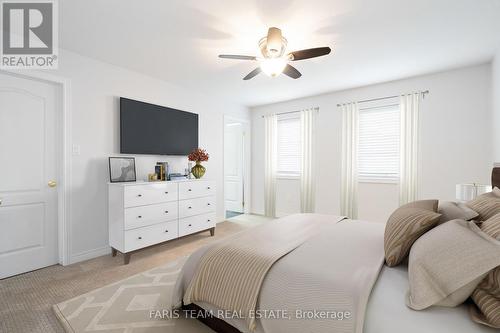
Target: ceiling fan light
{"x":273,"y":66}
{"x":274,"y":41}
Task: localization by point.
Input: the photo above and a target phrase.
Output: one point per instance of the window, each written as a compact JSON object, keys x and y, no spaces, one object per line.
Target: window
{"x":289,"y":149}
{"x":378,"y":146}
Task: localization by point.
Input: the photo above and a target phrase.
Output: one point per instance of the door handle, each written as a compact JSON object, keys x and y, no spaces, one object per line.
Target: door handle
{"x":52,"y":183}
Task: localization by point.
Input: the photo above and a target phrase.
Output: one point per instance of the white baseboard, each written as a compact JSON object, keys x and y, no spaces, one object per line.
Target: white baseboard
{"x":86,"y":255}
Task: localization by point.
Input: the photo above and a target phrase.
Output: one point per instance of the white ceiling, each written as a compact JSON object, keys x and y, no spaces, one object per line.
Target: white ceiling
{"x":372,"y":41}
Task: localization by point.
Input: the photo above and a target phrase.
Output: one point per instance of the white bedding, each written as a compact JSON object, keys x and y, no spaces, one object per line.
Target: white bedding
{"x":330,"y":275}
{"x":314,"y":288}
{"x":387,"y":312}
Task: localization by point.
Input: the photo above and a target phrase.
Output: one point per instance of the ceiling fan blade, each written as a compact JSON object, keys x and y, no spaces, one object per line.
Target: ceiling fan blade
{"x":237,"y":57}
{"x":292,"y":72}
{"x":310,"y":53}
{"x":252,"y":74}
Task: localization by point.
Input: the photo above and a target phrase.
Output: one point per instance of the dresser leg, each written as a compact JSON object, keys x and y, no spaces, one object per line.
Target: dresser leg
{"x":113,"y":252}
{"x":126,"y":258}
{"x":212,"y":231}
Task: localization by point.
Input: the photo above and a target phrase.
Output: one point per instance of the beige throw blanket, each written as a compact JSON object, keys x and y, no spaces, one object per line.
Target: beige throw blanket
{"x":230,"y":273}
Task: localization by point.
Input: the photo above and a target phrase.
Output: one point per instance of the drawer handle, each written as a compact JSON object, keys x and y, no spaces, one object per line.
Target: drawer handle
{"x":166,"y":212}
{"x":189,"y":225}
{"x":208,"y":188}
{"x":189,"y":190}
{"x":166,"y":192}
{"x":166,"y":230}
{"x":139,"y":237}
{"x":139,"y":217}
{"x":139,"y":195}
{"x":208,"y":220}
{"x":190,"y":207}
{"x":208,"y":204}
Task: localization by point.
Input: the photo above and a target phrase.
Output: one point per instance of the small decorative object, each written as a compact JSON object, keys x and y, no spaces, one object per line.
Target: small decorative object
{"x":198,"y":155}
{"x":152,"y":177}
{"x":467,"y":192}
{"x":163,"y":170}
{"x":122,"y":169}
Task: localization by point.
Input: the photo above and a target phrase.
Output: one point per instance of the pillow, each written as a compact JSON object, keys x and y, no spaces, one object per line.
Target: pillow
{"x":455,"y":210}
{"x":487,"y":295}
{"x":431,"y":204}
{"x":487,"y":300}
{"x":487,"y":204}
{"x":492,"y":226}
{"x":403,"y":228}
{"x":496,"y":191}
{"x":448,"y":263}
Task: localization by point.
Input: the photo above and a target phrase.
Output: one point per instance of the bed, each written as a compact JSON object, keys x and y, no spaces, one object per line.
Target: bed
{"x":381,"y":303}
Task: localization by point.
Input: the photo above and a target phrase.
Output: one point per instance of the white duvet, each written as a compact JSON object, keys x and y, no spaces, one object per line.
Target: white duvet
{"x":318,"y":276}
{"x":323,"y":285}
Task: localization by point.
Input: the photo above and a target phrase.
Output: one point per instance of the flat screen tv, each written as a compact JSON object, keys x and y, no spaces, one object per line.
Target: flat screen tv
{"x":156,"y":130}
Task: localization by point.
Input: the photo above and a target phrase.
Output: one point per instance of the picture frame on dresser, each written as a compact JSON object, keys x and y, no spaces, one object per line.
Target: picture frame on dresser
{"x":122,"y":169}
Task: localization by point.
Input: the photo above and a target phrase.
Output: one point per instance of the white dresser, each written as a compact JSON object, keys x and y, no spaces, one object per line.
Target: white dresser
{"x":145,"y":214}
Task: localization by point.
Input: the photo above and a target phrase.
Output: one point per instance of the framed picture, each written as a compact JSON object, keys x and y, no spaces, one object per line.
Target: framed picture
{"x":122,"y":169}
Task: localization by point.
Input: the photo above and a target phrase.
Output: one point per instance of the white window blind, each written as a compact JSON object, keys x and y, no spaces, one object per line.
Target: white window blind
{"x":289,"y":149}
{"x":378,"y":150}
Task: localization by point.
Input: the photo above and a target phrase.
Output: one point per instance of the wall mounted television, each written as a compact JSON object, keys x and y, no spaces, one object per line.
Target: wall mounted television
{"x":156,"y":130}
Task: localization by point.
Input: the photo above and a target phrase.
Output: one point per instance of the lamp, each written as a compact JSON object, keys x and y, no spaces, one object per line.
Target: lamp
{"x":467,"y":192}
{"x":273,"y":66}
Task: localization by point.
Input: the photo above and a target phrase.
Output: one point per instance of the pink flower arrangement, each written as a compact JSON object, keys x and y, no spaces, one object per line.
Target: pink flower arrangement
{"x":198,"y":155}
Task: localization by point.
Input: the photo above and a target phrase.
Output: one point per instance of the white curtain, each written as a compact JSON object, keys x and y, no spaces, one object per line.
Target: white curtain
{"x":271,"y":129}
{"x":409,"y":147}
{"x":349,"y":182}
{"x":307,"y":172}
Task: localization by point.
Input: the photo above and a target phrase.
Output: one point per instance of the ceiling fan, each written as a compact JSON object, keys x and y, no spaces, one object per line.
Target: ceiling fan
{"x":274,"y":61}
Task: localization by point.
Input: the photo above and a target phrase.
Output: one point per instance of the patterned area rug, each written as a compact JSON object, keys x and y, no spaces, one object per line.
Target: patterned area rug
{"x":126,"y":306}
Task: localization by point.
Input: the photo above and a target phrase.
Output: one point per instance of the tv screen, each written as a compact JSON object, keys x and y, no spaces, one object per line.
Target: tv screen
{"x":157,"y":130}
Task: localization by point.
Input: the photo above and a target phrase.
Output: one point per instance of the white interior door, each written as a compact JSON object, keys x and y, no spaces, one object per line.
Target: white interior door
{"x":233,"y":166}
{"x":28,"y":192}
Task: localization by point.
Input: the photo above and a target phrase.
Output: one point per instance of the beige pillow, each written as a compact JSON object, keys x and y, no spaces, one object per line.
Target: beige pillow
{"x":496,"y":191}
{"x":447,"y":263}
{"x":486,"y":205}
{"x":455,"y":210}
{"x":492,"y":226}
{"x":431,"y":204}
{"x":403,"y":228}
{"x":487,"y":295}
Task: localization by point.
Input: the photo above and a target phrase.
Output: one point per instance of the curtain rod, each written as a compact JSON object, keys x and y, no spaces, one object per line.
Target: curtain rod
{"x":387,"y":97}
{"x":317,"y":109}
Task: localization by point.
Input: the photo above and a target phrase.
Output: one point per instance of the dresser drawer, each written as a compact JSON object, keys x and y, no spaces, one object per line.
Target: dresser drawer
{"x":196,"y":189}
{"x":196,"y":223}
{"x":196,"y":206}
{"x":148,"y":194}
{"x":141,"y":216}
{"x":150,"y":235}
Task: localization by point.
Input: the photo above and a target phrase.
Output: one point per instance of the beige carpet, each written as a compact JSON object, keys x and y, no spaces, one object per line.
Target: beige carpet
{"x":26,"y":300}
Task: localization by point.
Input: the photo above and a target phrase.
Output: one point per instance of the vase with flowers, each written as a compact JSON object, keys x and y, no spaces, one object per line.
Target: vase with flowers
{"x":198,"y":155}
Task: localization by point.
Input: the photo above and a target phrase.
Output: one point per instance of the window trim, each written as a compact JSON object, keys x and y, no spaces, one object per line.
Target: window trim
{"x":289,"y":176}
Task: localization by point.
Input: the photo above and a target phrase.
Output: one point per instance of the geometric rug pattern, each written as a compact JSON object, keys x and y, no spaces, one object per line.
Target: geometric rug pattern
{"x":126,"y":306}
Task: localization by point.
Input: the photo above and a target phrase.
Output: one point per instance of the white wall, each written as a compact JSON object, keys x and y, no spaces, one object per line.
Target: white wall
{"x":496,"y":106}
{"x":456,"y":141}
{"x":95,"y":88}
